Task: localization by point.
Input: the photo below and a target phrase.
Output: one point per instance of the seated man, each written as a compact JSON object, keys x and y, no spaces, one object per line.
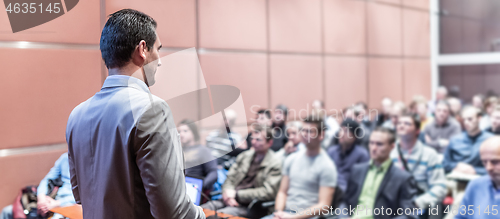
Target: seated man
{"x":347,"y":152}
{"x":294,"y":143}
{"x":64,"y":194}
{"x":420,"y":160}
{"x":462,"y":155}
{"x":483,"y":194}
{"x":255,"y":175}
{"x":380,"y":185}
{"x":309,"y":177}
{"x":438,"y":132}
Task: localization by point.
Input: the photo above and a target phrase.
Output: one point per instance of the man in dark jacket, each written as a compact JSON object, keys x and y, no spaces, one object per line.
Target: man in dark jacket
{"x":378,"y":189}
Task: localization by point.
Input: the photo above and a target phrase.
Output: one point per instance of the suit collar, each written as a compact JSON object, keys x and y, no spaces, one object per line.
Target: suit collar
{"x":385,"y":181}
{"x":125,"y":81}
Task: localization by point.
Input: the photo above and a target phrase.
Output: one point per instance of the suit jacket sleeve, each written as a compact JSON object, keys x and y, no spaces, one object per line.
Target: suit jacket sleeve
{"x":160,"y":162}
{"x":407,"y":193}
{"x":73,"y":178}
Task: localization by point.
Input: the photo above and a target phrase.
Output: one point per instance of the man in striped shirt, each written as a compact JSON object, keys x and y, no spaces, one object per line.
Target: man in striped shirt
{"x":422,"y":161}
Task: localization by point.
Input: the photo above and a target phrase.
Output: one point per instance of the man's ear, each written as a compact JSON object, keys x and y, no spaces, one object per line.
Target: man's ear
{"x":142,"y":49}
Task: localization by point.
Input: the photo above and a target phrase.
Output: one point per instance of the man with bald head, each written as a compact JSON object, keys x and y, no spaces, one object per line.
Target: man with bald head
{"x":485,"y":191}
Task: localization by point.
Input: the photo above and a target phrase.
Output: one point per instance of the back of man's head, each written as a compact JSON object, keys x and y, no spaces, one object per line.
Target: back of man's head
{"x":122,"y":33}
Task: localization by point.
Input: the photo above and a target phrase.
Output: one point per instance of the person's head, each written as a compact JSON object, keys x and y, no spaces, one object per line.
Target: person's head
{"x":262,"y":138}
{"x":188,"y":132}
{"x":495,"y":119}
{"x":421,"y":109}
{"x":471,"y":116}
{"x":129,"y":41}
{"x":386,"y":105}
{"x":348,"y":133}
{"x":477,"y":101}
{"x":408,"y":127}
{"x":489,"y":104}
{"x":264,"y":117}
{"x":293,"y":132}
{"x":280,"y":114}
{"x":312,"y":131}
{"x":348,"y":113}
{"x":442,"y":112}
{"x":441,"y":93}
{"x":417,"y":99}
{"x":455,"y":105}
{"x":397,"y":110}
{"x":382,"y":141}
{"x":360,"y":111}
{"x":490,"y":156}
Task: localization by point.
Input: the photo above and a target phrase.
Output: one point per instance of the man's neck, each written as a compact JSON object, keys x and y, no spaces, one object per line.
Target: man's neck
{"x":313,"y":151}
{"x":346,"y":147}
{"x":407,"y":144}
{"x":474,"y":133}
{"x":260,"y":155}
{"x":128,"y":70}
{"x":379,"y":163}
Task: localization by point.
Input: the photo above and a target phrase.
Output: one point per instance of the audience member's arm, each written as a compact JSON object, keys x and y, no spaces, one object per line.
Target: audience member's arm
{"x":480,"y":170}
{"x":437,"y":185}
{"x":54,"y":173}
{"x":448,"y":163}
{"x":325,"y":199}
{"x":280,"y":203}
{"x":211,"y":177}
{"x":266,"y":192}
{"x":407,"y":194}
{"x":160,"y":162}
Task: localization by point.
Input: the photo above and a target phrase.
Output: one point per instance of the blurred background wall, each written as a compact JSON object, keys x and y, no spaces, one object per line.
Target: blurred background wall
{"x":274,"y":51}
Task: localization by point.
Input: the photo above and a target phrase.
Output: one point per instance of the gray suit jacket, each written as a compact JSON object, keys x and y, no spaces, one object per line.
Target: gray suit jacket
{"x":397,"y":190}
{"x":125,"y":155}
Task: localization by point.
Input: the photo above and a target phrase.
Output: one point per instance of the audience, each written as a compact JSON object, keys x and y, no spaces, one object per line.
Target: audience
{"x":455,"y":109}
{"x":263,"y":117}
{"x":478,"y":101}
{"x":495,"y":121}
{"x":483,"y":194}
{"x":347,"y":152}
{"x":222,"y":140}
{"x":365,"y":124}
{"x":199,"y":161}
{"x":385,"y":114}
{"x":309,"y":177}
{"x":419,"y":107}
{"x":438,"y":132}
{"x":489,"y":105}
{"x":279,"y":128}
{"x":294,"y":143}
{"x":379,"y":183}
{"x":45,"y":203}
{"x":441,"y":95}
{"x":421,"y":161}
{"x":332,"y":126}
{"x":255,"y":175}
{"x":463,"y":153}
{"x":398,"y":109}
